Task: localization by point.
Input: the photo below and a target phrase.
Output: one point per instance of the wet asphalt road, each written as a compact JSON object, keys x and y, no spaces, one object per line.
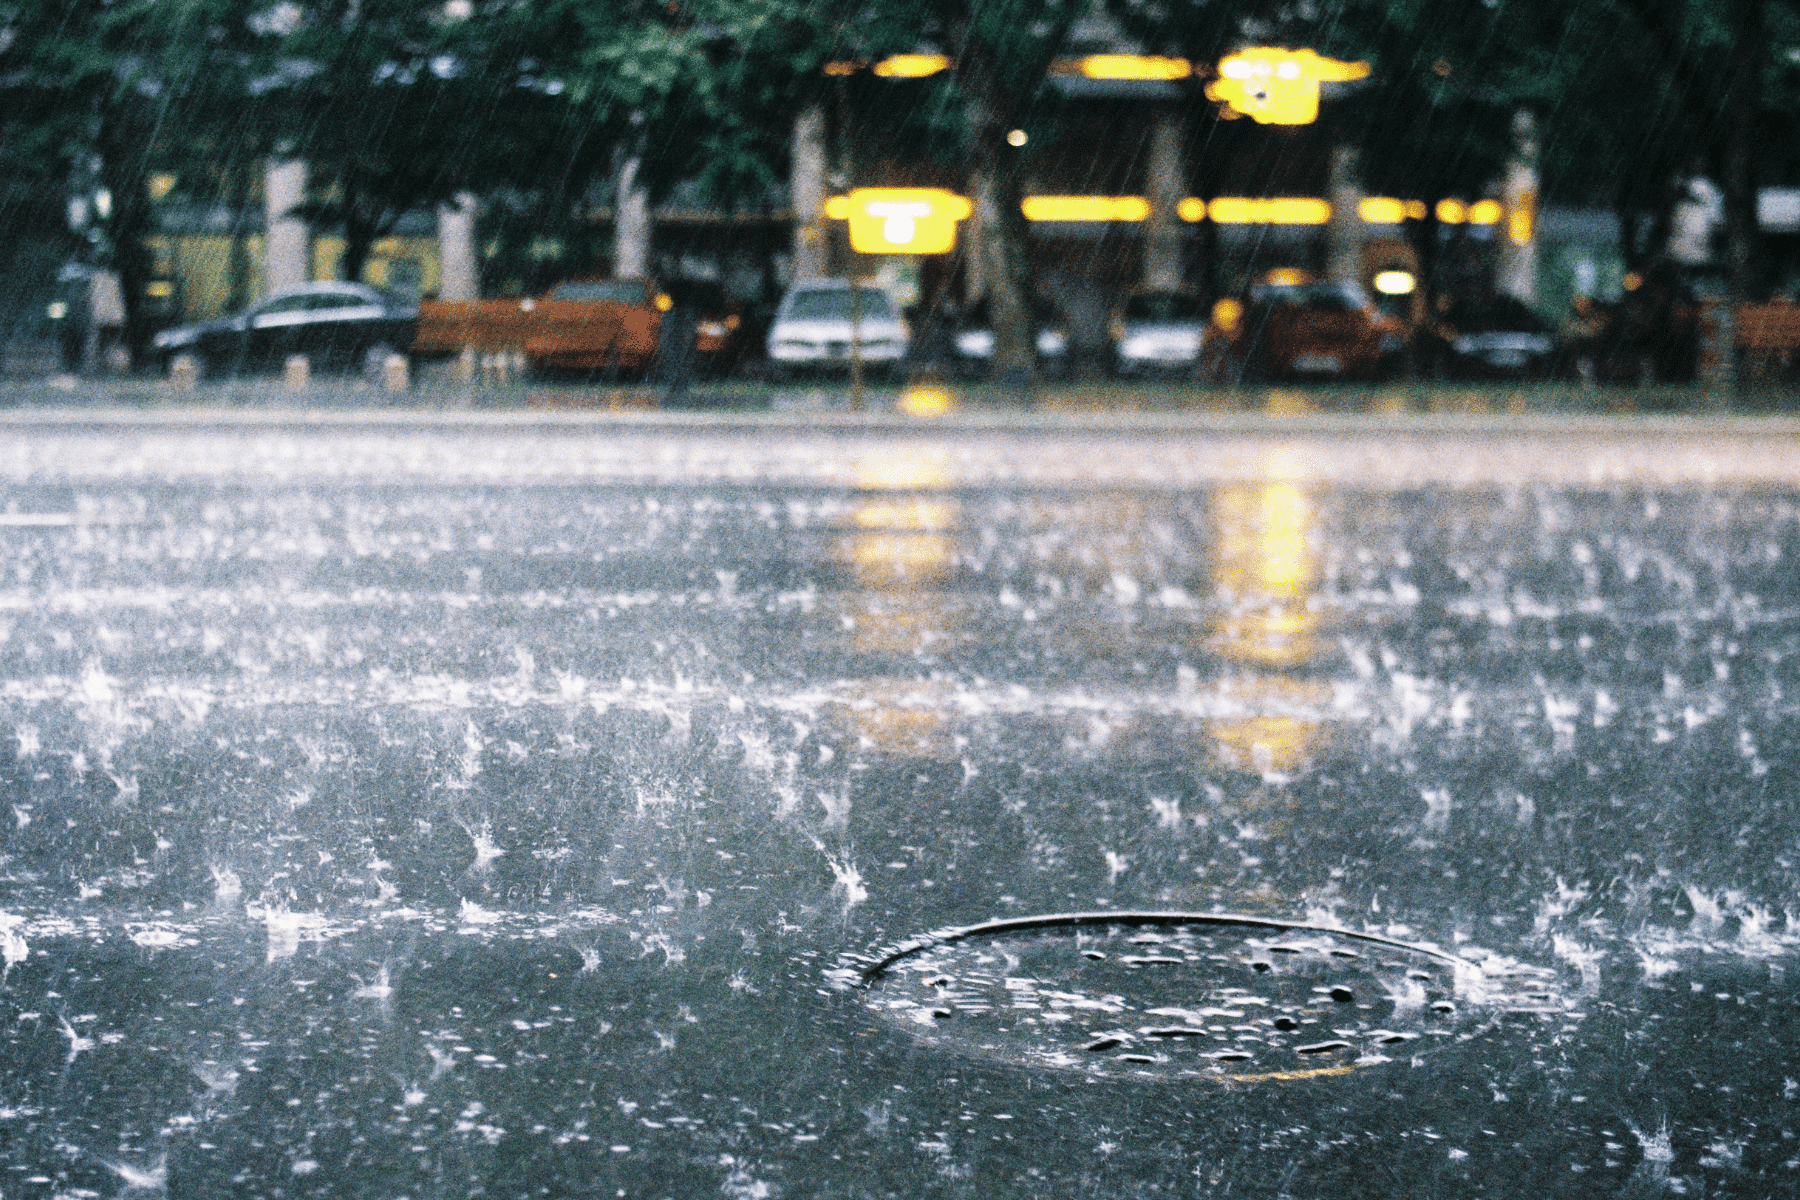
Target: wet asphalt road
{"x":505,"y":807}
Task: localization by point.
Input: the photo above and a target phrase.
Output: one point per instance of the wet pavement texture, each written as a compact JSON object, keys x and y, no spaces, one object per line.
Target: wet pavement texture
{"x":523,"y":810}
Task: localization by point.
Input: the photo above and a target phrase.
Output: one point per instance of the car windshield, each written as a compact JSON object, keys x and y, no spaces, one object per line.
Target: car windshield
{"x":1497,"y":314}
{"x":611,"y":291}
{"x":833,"y":304}
{"x":1312,"y":297}
{"x":1164,"y":306}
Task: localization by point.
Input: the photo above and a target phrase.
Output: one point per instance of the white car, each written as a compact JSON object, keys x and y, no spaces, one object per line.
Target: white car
{"x":813,"y":328}
{"x":1157,"y":332}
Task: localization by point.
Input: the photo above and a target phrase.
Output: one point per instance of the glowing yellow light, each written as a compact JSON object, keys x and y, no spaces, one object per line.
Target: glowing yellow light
{"x":664,"y":302}
{"x":1133,"y":66}
{"x":1276,"y":86}
{"x":1017,"y":137}
{"x":1452,"y":212}
{"x":1278,"y":210}
{"x":1381,"y":210}
{"x":161,"y":184}
{"x":1191,"y":209}
{"x":1521,"y":217}
{"x":1633,"y":281}
{"x":1085,"y":208}
{"x":1227,"y":313}
{"x":911,"y":66}
{"x":900,"y":220}
{"x":1286,"y":277}
{"x":1395,"y":283}
{"x":162,"y":289}
{"x":927,"y":402}
{"x":842,"y":68}
{"x":1486,"y":212}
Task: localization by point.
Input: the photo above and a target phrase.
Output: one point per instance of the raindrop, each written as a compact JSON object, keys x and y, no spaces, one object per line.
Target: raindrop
{"x":1320,"y":1047}
{"x":1104,"y":1043}
{"x":1175,"y":1031}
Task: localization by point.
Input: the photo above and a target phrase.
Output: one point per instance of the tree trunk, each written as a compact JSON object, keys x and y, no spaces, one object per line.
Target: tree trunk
{"x":122,"y":174}
{"x":1743,"y":100}
{"x":237,"y":260}
{"x":1003,"y":244}
{"x":359,"y":239}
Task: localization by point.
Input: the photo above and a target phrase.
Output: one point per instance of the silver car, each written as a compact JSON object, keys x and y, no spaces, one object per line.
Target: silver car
{"x":817,"y":322}
{"x":1158,"y":333}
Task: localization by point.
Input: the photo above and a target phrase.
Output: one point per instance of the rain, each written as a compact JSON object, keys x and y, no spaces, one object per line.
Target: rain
{"x":780,"y":598}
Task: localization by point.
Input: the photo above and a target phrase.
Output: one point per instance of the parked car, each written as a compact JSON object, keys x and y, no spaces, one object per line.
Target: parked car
{"x":336,"y":325}
{"x":813,"y":328}
{"x":1496,"y":336}
{"x":1158,"y":332}
{"x":1304,"y":330}
{"x":718,"y":320}
{"x":973,"y":344}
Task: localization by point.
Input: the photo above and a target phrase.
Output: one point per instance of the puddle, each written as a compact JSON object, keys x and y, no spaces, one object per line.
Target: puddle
{"x":1222,"y":996}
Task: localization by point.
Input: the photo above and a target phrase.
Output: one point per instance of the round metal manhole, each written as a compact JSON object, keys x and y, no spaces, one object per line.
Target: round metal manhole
{"x":1188,"y":995}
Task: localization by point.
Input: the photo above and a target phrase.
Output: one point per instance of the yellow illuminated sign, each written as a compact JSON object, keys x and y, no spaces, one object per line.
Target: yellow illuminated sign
{"x":900,"y":220}
{"x":1486,"y":212}
{"x":1276,"y":86}
{"x":1520,"y":220}
{"x":1085,"y":208}
{"x":911,"y":66}
{"x":1133,"y":66}
{"x":1277,"y":210}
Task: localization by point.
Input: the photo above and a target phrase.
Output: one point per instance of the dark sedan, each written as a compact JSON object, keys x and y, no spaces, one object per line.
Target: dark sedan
{"x":335,"y":325}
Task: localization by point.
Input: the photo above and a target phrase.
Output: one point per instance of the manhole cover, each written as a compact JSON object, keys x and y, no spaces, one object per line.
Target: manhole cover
{"x":1187,"y":994}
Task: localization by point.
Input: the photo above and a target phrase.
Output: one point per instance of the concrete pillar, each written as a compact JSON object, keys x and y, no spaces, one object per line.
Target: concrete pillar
{"x":806,"y":188}
{"x":1344,"y":236}
{"x":457,"y":276}
{"x":631,"y":225}
{"x":1165,"y":186}
{"x":287,"y":242}
{"x":1518,"y":242}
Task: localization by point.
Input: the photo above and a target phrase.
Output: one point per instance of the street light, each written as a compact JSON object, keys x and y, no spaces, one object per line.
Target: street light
{"x":900,"y":220}
{"x":1273,"y":85}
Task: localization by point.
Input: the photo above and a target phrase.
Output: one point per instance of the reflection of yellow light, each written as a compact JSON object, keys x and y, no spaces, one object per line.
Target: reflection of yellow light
{"x":161,"y":184}
{"x":911,"y":66}
{"x":905,"y":514}
{"x":1267,"y":738}
{"x":1085,"y":208}
{"x":900,"y":220}
{"x":904,"y":468}
{"x":1381,"y":210}
{"x":161,"y":289}
{"x":1278,"y":210}
{"x":1276,"y":86}
{"x":1452,"y":212}
{"x":1486,"y":212}
{"x":1227,"y":313}
{"x":1133,"y":66}
{"x":1286,"y":277}
{"x":1265,"y":562}
{"x":1191,"y":209}
{"x":1633,"y":281}
{"x":1521,"y":217}
{"x":926,"y":402}
{"x":841,"y":68}
{"x":1395,"y":283}
{"x":902,"y":553}
{"x":898,"y":716}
